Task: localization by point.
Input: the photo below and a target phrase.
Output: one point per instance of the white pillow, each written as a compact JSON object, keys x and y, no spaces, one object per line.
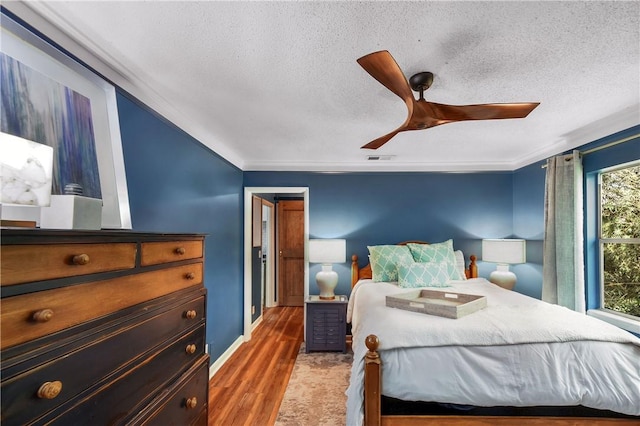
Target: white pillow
{"x":460,"y":265}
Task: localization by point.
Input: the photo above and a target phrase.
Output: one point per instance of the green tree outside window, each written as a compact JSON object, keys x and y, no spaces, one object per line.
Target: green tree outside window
{"x":620,"y":239}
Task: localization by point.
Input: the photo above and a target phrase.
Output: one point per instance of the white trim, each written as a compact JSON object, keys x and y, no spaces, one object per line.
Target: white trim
{"x":248,"y":193}
{"x":222,"y":359}
{"x":48,"y":20}
{"x":617,"y":320}
{"x":270,"y":294}
{"x":256,"y":323}
{"x":626,"y":322}
{"x":375,"y":166}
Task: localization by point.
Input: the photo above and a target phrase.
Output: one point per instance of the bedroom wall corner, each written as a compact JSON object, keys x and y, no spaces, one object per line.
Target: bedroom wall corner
{"x":176,"y":184}
{"x":528,"y":223}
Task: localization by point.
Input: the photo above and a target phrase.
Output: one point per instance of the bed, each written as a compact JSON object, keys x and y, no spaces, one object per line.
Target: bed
{"x":518,"y":357}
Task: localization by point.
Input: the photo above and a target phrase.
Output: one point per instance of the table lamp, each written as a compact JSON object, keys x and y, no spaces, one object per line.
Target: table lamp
{"x":504,"y":252}
{"x":327,"y":252}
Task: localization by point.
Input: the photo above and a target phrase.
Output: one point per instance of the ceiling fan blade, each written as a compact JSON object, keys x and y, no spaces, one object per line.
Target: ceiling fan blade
{"x":385,"y":69}
{"x":482,"y":111}
{"x":377,"y":143}
{"x":423,"y":114}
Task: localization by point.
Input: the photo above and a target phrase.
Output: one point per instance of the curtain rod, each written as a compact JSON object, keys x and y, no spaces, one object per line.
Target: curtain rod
{"x":606,"y":145}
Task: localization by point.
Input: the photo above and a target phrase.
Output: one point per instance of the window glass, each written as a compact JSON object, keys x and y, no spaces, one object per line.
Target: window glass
{"x":620,"y":239}
{"x":620,"y":198}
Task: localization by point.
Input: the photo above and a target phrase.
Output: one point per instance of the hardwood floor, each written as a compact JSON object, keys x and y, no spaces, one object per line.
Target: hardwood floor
{"x":248,"y":389}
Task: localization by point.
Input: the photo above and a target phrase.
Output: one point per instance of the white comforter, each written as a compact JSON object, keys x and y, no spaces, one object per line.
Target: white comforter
{"x":518,"y":351}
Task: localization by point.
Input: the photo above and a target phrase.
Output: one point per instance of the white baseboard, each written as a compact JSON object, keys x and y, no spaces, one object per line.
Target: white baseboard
{"x":213,"y":369}
{"x":256,"y":323}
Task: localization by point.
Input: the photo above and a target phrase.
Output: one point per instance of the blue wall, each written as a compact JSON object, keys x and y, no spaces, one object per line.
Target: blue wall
{"x":386,"y":208}
{"x":528,"y":223}
{"x":528,"y":211}
{"x":176,"y":184}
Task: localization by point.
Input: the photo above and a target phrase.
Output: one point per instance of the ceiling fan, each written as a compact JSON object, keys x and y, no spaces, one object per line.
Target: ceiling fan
{"x":424,"y":114}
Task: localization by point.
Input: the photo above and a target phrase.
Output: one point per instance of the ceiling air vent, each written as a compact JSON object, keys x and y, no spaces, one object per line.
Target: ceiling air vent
{"x":379,"y":157}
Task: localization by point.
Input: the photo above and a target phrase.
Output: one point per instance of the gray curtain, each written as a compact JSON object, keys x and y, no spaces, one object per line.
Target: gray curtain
{"x":563,"y":258}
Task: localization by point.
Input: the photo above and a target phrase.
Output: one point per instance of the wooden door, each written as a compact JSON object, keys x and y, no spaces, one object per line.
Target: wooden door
{"x":290,"y":229}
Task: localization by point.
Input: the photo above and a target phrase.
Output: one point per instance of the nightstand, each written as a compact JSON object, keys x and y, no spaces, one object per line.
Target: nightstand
{"x":326,"y":324}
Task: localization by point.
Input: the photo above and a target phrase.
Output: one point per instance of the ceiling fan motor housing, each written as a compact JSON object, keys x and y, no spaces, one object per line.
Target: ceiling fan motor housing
{"x":421,"y":81}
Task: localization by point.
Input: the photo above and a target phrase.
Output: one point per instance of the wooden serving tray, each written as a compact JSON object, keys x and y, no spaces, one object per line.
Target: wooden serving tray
{"x":441,"y":303}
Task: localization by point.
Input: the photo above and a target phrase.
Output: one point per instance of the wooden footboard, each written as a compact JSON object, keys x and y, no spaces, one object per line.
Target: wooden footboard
{"x":373,"y":406}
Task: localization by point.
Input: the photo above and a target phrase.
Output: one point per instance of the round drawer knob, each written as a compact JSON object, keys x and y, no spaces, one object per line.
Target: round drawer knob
{"x":43,"y":315}
{"x":189,"y":275}
{"x":80,"y":259}
{"x":50,"y":390}
{"x":191,"y":314}
{"x":180,"y":250}
{"x":191,"y":349}
{"x":192,"y":402}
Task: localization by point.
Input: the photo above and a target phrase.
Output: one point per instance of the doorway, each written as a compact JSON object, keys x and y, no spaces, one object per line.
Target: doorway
{"x":249,"y":192}
{"x":268,"y":247}
{"x":262,"y":257}
{"x":290,"y":230}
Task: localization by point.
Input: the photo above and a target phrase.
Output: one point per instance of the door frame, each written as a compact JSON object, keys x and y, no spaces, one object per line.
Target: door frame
{"x":248,"y":243}
{"x":269,"y":279}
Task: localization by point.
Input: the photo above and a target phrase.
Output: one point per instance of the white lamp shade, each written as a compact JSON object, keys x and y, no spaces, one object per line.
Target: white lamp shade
{"x":327,"y":251}
{"x":505,"y":251}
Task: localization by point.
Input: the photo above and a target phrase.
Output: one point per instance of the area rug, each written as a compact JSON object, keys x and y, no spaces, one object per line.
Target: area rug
{"x":315,"y":395}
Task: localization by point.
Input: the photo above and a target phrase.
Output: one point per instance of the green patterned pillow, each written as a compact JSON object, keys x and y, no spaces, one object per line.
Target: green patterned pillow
{"x":428,"y":274}
{"x":385,"y":261}
{"x":438,"y":252}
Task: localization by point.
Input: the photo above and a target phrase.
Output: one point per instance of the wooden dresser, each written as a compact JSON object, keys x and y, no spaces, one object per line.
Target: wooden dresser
{"x":102,"y":328}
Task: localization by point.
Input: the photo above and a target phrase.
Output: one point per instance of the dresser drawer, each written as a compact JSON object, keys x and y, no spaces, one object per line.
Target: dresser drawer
{"x":133,"y":390}
{"x":183,"y":404}
{"x":91,"y":362}
{"x":153,"y":253}
{"x":27,"y":263}
{"x":34,"y":315}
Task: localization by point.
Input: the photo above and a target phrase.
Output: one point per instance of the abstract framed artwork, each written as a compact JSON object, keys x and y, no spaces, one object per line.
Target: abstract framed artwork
{"x":49,"y":98}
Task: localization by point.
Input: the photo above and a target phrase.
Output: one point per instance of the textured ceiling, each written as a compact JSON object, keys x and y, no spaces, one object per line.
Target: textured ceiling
{"x":276,"y":86}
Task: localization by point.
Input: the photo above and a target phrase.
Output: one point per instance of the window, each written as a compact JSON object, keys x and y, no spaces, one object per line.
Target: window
{"x":619,"y":240}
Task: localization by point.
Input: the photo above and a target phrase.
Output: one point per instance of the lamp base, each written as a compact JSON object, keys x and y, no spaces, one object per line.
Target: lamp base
{"x":327,"y":280}
{"x":504,"y":278}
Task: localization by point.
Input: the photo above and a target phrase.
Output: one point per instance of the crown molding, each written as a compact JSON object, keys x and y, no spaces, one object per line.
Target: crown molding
{"x":43,"y":17}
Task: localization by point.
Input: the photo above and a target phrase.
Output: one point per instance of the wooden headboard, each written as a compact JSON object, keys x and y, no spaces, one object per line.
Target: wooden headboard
{"x":365,"y":272}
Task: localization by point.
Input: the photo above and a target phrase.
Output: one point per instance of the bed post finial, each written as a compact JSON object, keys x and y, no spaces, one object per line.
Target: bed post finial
{"x":473,"y":268}
{"x":372,"y":382}
{"x":355,"y":271}
{"x":372,"y":343}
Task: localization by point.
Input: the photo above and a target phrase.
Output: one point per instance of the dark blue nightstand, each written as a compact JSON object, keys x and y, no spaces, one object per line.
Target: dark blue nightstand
{"x":326,"y":324}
